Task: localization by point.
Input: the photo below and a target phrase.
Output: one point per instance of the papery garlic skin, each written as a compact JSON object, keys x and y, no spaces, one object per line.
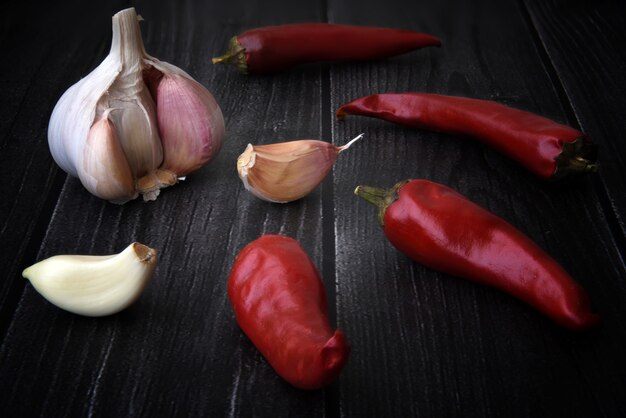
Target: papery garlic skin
{"x":94,"y":285}
{"x":287,"y":171}
{"x":166,"y":123}
{"x":74,"y":114}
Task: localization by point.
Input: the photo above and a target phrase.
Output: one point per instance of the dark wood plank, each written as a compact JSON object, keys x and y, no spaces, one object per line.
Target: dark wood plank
{"x":426,"y":344}
{"x":580,"y":41}
{"x":178,"y":351}
{"x":43,"y":54}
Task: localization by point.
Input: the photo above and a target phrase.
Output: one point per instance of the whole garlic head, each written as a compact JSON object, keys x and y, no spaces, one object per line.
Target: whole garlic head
{"x":134,"y":124}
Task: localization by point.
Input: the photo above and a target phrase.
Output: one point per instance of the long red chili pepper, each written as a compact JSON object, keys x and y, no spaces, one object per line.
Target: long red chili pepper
{"x":546,"y":148}
{"x":438,"y":227}
{"x":280,"y":304}
{"x":276,"y":48}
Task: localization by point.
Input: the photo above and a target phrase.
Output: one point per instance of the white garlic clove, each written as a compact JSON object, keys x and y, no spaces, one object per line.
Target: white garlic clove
{"x":191,"y":124}
{"x":287,"y":171}
{"x":104,"y":170}
{"x":94,"y":285}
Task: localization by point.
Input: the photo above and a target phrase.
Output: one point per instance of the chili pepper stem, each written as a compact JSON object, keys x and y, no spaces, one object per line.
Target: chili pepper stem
{"x":235,"y":55}
{"x":577,"y":157}
{"x":380,"y":198}
{"x":582,"y":165}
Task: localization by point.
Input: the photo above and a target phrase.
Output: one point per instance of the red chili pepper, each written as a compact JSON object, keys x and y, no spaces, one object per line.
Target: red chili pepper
{"x":276,"y":48}
{"x":280,"y":304}
{"x":545,"y":147}
{"x":441,"y":229}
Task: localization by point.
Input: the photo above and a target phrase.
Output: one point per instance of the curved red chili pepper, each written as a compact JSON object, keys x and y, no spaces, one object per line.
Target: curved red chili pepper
{"x":276,"y":48}
{"x":545,"y":147}
{"x":280,"y":304}
{"x":441,"y":229}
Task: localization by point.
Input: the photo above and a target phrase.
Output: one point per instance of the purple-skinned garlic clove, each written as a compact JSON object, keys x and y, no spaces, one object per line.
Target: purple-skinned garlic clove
{"x":191,"y":124}
{"x":287,"y":171}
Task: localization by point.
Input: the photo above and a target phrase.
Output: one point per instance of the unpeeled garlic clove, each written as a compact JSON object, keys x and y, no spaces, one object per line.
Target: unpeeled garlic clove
{"x":287,"y":171}
{"x":166,"y":123}
{"x":189,"y":121}
{"x":104,"y":171}
{"x":94,"y":285}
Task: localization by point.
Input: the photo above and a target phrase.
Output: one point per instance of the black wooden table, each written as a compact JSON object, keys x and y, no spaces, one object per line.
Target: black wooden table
{"x":423,"y":343}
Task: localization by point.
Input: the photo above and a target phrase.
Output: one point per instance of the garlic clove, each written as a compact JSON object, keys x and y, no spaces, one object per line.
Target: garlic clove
{"x":135,"y":121}
{"x":94,"y":285}
{"x":191,"y":124}
{"x":287,"y":171}
{"x":104,"y":170}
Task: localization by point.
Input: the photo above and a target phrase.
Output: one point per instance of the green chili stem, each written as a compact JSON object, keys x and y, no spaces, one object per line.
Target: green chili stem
{"x":373,"y":195}
{"x":380,"y":198}
{"x":235,"y":55}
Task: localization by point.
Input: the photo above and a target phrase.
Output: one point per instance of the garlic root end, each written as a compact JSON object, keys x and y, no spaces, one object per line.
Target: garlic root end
{"x":151,"y":184}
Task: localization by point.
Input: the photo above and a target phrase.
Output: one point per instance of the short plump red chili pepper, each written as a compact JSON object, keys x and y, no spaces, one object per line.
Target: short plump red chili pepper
{"x":277,"y":48}
{"x":280,"y":304}
{"x":543,"y":146}
{"x":441,"y":229}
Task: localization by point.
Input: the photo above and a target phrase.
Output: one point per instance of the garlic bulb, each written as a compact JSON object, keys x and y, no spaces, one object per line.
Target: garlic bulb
{"x":287,"y":171}
{"x":94,"y":285}
{"x":134,"y":124}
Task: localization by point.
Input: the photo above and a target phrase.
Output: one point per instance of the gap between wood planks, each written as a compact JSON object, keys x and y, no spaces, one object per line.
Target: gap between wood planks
{"x":609,"y":212}
{"x":328,"y":233}
{"x":331,"y":393}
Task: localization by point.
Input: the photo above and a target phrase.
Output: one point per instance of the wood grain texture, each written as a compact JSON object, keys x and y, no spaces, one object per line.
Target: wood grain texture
{"x":579,"y":40}
{"x":426,"y":344}
{"x":178,"y":351}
